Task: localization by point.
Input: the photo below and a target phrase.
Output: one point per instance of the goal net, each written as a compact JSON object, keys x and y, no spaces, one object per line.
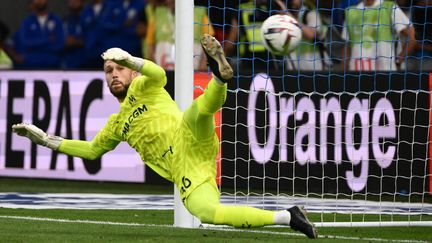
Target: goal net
{"x":341,"y":125}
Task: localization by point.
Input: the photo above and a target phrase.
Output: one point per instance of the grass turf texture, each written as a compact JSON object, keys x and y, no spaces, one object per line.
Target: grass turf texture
{"x":154,"y":225}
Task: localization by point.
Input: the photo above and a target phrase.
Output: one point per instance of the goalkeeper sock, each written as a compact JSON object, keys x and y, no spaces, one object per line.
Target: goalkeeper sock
{"x":282,"y":217}
{"x":213,"y":98}
{"x":243,"y":216}
{"x":218,"y":81}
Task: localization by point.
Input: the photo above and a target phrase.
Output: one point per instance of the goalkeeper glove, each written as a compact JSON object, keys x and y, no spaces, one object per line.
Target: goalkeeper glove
{"x":36,"y":135}
{"x":123,"y":58}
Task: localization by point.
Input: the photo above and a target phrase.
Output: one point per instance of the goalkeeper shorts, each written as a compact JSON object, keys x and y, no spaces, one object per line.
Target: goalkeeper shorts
{"x":195,"y":160}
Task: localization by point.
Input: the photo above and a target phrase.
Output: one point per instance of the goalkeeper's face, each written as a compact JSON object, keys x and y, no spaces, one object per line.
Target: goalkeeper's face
{"x":118,"y":78}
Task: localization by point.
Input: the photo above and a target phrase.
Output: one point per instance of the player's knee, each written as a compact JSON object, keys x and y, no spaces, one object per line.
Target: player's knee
{"x":203,"y":202}
{"x":205,"y":212}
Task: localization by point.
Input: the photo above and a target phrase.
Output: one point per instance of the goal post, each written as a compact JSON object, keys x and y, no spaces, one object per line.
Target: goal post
{"x":184,"y":76}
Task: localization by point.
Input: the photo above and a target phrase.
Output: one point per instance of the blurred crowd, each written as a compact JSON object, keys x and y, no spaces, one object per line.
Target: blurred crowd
{"x":339,"y":35}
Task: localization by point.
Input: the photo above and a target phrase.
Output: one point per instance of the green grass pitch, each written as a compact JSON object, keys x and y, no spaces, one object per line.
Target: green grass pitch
{"x":65,"y":225}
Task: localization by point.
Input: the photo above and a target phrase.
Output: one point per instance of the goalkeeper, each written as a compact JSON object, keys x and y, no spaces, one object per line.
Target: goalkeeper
{"x":181,"y":147}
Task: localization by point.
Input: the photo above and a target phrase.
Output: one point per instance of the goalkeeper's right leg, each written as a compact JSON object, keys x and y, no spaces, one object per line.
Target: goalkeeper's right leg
{"x":215,"y":94}
{"x":216,"y":58}
{"x":199,"y":116}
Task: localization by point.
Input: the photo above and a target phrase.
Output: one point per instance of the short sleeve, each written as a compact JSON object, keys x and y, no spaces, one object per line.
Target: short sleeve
{"x":312,"y":19}
{"x":344,"y":34}
{"x":399,"y":19}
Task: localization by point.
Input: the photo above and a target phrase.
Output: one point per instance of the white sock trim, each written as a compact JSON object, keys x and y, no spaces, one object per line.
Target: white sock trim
{"x":282,"y":217}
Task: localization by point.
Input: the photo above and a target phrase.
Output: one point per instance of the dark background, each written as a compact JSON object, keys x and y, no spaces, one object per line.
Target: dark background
{"x":409,"y":96}
{"x":13,"y":12}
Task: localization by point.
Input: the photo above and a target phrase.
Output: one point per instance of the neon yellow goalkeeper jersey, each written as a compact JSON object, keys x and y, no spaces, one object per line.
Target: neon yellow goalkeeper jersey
{"x":147,"y":121}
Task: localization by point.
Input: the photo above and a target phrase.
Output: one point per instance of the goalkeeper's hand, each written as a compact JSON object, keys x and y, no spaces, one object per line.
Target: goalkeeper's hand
{"x":123,"y":58}
{"x":36,"y":135}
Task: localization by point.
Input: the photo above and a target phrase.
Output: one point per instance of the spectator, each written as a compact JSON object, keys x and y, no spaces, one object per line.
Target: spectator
{"x":338,"y":9}
{"x":161,"y":31}
{"x":160,"y":34}
{"x":143,"y":17}
{"x":74,"y":45}
{"x":368,"y":30}
{"x":40,"y":38}
{"x":202,"y":26}
{"x":422,"y":21}
{"x":93,"y":33}
{"x":311,"y":54}
{"x":120,"y":22}
{"x":223,"y":17}
{"x":253,"y":54}
{"x":5,"y":61}
{"x":405,"y":6}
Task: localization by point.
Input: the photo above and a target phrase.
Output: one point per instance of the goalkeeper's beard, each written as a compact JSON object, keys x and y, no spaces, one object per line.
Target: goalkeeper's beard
{"x":119,"y":93}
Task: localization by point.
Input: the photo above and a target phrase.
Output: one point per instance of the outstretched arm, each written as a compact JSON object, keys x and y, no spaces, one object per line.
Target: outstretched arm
{"x":83,"y":149}
{"x":77,"y":148}
{"x":155,"y":74}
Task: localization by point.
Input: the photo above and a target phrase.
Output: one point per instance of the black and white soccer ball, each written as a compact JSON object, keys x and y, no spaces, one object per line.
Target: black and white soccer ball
{"x":281,"y":34}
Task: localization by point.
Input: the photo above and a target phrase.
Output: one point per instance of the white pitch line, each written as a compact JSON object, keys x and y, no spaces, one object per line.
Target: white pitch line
{"x":209,"y":228}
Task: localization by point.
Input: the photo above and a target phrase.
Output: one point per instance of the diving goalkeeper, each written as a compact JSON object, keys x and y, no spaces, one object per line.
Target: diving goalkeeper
{"x":181,"y":147}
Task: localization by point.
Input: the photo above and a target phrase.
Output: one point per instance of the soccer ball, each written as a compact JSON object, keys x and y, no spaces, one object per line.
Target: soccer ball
{"x":281,"y":34}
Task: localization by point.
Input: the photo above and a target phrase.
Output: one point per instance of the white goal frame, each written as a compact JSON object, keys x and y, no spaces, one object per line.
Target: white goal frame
{"x":184,"y":77}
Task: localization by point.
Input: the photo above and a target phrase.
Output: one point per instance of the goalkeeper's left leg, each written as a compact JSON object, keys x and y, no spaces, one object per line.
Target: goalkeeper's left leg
{"x":204,"y":203}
